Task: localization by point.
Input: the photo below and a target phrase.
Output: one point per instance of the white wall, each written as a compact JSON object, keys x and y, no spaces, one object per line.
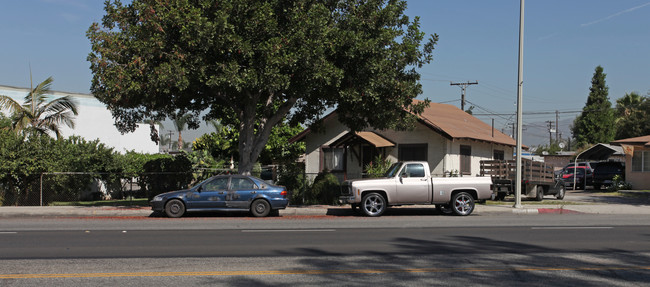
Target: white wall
{"x":480,"y":151}
{"x":94,"y":121}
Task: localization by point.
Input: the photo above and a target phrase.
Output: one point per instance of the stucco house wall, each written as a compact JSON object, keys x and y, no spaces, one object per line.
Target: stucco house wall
{"x":638,"y":179}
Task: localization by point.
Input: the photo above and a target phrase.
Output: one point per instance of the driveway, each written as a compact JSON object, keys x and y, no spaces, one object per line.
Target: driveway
{"x":604,"y":197}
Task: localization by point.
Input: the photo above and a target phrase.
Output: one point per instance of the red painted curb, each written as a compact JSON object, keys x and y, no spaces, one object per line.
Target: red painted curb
{"x":556,"y":211}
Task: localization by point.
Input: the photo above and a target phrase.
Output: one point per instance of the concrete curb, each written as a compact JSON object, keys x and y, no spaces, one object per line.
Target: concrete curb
{"x":325,"y":210}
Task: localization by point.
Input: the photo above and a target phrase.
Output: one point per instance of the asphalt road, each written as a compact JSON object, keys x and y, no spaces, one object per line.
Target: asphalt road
{"x":543,"y":250}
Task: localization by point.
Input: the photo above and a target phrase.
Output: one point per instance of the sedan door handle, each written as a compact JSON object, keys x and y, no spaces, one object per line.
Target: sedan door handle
{"x":253,"y":192}
{"x":423,"y":179}
{"x":221,"y":192}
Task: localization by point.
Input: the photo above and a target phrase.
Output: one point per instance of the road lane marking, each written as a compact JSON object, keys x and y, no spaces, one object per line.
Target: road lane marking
{"x":288,"y":230}
{"x":315,"y":272}
{"x":8,"y":232}
{"x":572,"y":227}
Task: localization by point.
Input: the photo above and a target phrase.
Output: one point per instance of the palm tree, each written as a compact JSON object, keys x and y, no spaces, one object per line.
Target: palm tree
{"x":179,"y":123}
{"x":36,"y":114}
{"x":628,"y":103}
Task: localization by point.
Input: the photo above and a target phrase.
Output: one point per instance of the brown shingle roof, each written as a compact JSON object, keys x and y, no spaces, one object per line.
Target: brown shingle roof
{"x":457,"y":124}
{"x":451,"y":122}
{"x":644,"y":140}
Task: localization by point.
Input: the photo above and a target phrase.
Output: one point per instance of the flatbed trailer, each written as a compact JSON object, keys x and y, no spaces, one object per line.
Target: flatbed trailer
{"x":537,"y":178}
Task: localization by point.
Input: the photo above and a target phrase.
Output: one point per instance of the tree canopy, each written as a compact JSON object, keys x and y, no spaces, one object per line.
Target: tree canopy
{"x":255,"y":63}
{"x":633,"y":118}
{"x":596,"y":122}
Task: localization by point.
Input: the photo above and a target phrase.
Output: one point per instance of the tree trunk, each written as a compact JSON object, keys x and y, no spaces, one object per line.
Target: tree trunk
{"x":252,"y":143}
{"x":180,"y":141}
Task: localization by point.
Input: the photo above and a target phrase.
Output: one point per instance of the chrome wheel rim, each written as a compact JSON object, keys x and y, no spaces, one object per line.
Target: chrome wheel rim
{"x":463,"y":205}
{"x":373,"y":205}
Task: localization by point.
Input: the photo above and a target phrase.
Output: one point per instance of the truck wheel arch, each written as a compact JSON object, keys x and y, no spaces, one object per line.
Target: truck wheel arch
{"x":383,"y":193}
{"x":472,"y":192}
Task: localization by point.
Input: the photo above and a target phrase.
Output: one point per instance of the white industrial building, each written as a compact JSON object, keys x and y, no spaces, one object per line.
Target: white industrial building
{"x":94,"y":121}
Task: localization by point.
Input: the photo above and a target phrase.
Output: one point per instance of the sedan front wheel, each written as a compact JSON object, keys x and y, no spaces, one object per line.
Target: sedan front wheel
{"x":175,"y":208}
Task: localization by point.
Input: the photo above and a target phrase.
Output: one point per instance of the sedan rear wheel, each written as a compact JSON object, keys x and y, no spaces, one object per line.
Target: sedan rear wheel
{"x":260,"y":208}
{"x":174,"y":208}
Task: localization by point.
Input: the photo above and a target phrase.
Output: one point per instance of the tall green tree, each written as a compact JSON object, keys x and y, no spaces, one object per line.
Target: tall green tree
{"x":254,"y":63}
{"x":596,"y":122}
{"x":38,"y":115}
{"x":632,"y":116}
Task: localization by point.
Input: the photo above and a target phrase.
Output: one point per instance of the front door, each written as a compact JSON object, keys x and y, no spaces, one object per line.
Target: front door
{"x":211,"y":194}
{"x":413,"y":184}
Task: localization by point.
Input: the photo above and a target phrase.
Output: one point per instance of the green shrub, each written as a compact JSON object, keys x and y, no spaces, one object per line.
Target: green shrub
{"x":618,"y":184}
{"x":292,"y":176}
{"x":378,"y":167}
{"x":167,"y":173}
{"x":325,"y":190}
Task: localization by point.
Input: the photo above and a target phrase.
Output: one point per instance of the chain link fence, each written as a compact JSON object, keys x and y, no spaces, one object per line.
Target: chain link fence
{"x":53,"y":188}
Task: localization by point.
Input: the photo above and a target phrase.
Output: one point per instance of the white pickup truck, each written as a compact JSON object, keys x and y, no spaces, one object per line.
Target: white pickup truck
{"x":408,"y":183}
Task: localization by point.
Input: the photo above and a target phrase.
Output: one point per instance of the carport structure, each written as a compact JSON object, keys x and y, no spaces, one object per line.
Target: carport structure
{"x":597,"y":152}
{"x":600,"y":151}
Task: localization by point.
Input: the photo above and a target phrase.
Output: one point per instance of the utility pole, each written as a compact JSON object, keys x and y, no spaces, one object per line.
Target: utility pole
{"x":463,"y":87}
{"x":520,"y":84}
{"x":550,"y":132}
{"x":557,"y":126}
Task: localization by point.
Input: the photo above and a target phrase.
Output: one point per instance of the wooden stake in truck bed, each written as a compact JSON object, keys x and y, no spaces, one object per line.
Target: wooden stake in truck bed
{"x":537,"y":178}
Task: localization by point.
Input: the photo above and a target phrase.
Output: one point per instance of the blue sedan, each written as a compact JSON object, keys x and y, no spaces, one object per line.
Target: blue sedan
{"x":223,"y":193}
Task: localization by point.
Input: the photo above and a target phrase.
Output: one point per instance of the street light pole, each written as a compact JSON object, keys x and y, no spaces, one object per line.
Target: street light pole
{"x":520,"y":83}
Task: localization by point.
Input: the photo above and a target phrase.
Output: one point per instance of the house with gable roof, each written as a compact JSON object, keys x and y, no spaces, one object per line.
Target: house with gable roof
{"x":637,"y":160}
{"x":449,"y":139}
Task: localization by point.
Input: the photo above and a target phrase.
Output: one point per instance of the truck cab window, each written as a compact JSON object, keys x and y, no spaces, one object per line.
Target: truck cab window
{"x":414,"y":170}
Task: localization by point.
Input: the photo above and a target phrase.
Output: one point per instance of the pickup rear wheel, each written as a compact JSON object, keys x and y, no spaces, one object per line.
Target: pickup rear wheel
{"x":540,"y":193}
{"x":373,"y":204}
{"x":462,"y":203}
{"x":560,"y":192}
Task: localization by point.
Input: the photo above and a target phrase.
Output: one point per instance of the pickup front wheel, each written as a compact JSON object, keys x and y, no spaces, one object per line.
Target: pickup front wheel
{"x":462,"y":203}
{"x":373,"y":204}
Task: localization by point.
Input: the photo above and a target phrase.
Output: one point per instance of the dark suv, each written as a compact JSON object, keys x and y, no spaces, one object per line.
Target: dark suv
{"x":605,"y":171}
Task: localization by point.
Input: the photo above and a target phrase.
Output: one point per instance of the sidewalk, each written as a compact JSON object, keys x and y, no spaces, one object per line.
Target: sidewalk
{"x":322,"y":210}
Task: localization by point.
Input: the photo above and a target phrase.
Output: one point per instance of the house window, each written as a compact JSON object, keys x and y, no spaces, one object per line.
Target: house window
{"x":333,"y":159}
{"x":465,"y":159}
{"x":415,"y":152}
{"x":641,"y":161}
{"x":498,"y":155}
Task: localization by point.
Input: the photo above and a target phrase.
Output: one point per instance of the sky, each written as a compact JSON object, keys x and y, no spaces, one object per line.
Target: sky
{"x":564,"y":41}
